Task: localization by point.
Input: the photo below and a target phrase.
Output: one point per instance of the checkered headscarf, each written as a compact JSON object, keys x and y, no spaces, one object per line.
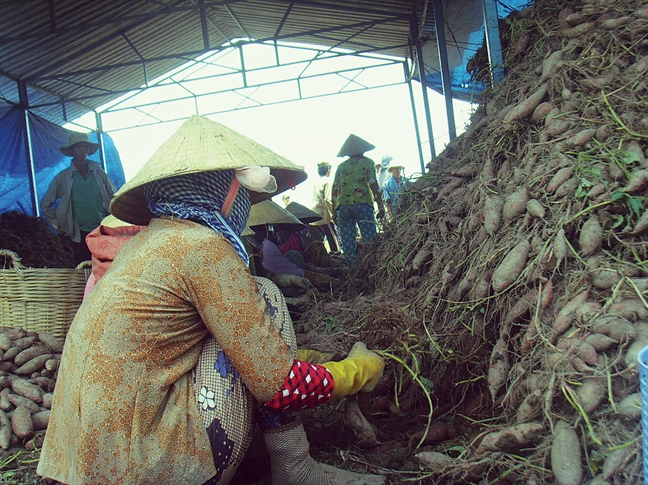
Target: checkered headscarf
{"x":199,"y":197}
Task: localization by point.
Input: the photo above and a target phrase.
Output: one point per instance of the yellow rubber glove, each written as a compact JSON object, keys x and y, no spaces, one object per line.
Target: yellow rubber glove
{"x":359,"y":372}
{"x":314,"y":356}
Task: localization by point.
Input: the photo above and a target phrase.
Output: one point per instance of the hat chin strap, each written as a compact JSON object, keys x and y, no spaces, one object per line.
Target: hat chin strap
{"x":231,"y":195}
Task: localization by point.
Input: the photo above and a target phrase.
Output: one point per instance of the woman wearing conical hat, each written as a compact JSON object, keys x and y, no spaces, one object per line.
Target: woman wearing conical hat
{"x":175,"y":349}
{"x":354,"y":191}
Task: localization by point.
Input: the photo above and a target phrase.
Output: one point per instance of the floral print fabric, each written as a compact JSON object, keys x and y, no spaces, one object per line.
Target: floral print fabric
{"x":352,"y":183}
{"x":226,"y":406}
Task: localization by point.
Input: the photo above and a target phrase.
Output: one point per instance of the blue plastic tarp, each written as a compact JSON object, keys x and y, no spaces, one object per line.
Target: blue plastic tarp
{"x":16,"y":192}
{"x":464,"y":32}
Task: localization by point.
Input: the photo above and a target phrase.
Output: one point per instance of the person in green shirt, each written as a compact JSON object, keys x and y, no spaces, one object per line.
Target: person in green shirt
{"x":354,"y":190}
{"x":84,"y":192}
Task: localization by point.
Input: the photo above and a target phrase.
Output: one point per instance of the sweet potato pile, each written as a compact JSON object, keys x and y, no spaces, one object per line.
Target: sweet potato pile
{"x":513,"y":287}
{"x":34,"y":242}
{"x":28,"y":368}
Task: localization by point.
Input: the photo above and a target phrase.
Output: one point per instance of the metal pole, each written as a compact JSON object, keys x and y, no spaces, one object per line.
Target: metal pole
{"x":416,"y":126}
{"x":102,"y":153}
{"x":446,"y":82}
{"x":29,"y":155}
{"x":493,"y":41}
{"x":421,"y":73}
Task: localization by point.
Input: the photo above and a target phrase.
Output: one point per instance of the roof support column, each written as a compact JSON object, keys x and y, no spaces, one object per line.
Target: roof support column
{"x":493,"y":41}
{"x":421,"y":72}
{"x":446,"y":82}
{"x":416,"y":126}
{"x":100,"y":139}
{"x":29,"y":155}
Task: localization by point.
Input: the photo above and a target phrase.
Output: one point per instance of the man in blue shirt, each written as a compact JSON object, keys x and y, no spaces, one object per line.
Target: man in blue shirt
{"x":395,"y":184}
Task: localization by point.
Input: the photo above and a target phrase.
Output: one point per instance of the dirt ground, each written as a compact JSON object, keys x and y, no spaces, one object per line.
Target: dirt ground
{"x":331,"y":440}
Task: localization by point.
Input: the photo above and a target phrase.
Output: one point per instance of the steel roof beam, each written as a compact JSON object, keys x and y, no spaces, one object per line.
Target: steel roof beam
{"x":108,"y":20}
{"x":188,"y":56}
{"x":203,"y":24}
{"x":271,"y":103}
{"x":383,"y":63}
{"x":98,"y":43}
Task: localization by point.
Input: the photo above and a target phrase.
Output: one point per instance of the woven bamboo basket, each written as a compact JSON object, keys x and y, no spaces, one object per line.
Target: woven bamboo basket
{"x":40,"y":299}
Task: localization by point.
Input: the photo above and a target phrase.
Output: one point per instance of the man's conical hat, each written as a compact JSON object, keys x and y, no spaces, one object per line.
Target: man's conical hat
{"x":201,"y":145}
{"x":354,"y":145}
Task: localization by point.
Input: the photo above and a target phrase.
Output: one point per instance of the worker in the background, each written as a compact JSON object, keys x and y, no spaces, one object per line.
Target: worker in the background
{"x":382,"y":173}
{"x":316,"y":256}
{"x":393,"y":188}
{"x":354,"y":190}
{"x":323,"y":205}
{"x":83,"y":191}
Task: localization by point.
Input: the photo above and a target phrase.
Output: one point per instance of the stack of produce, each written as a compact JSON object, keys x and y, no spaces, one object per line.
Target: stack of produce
{"x":28,"y":368}
{"x":34,"y":242}
{"x":513,"y":287}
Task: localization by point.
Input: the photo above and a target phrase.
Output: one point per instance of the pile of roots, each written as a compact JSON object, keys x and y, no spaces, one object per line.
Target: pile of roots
{"x":512,"y":290}
{"x":34,"y":242}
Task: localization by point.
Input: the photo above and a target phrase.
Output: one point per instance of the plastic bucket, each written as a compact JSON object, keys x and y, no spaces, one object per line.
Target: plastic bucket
{"x":643,"y":378}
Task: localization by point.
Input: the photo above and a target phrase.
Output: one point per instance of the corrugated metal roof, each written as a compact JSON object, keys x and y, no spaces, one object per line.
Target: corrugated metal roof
{"x":91,"y":52}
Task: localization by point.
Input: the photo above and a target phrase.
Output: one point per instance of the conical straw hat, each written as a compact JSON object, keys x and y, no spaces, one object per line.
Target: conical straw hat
{"x":112,"y":221}
{"x":268,"y":212}
{"x":354,"y":145}
{"x":303,"y":213}
{"x":201,"y":145}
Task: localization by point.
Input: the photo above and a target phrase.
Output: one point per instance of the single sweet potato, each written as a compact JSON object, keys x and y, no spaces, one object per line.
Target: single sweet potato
{"x":433,"y":460}
{"x":638,"y":181}
{"x":18,"y":400}
{"x":630,"y":309}
{"x":530,"y":407}
{"x":5,"y":431}
{"x":614,"y":460}
{"x":24,"y":342}
{"x":590,"y":236}
{"x":33,"y":365}
{"x":515,"y":204}
{"x":493,"y":206}
{"x":614,"y":327}
{"x":566,"y":455}
{"x":526,"y":107}
{"x":40,"y":420}
{"x":512,"y":438}
{"x":567,"y":314}
{"x":21,"y":422}
{"x":560,"y":246}
{"x":568,"y":187}
{"x":642,"y":223}
{"x":560,"y":177}
{"x":5,"y":342}
{"x":630,"y":406}
{"x":55,"y":345}
{"x":535,"y":208}
{"x":591,"y":393}
{"x":499,"y":367}
{"x":28,"y":390}
{"x":48,"y":397}
{"x":511,"y":266}
{"x":29,"y":353}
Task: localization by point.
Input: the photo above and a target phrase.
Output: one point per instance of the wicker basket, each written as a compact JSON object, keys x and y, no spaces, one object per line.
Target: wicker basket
{"x":40,"y":300}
